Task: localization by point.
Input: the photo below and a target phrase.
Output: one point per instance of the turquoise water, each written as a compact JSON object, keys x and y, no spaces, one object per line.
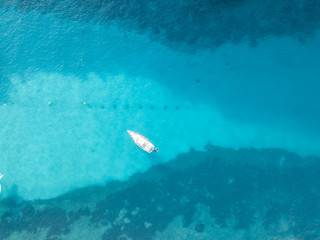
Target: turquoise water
{"x":75,"y":75}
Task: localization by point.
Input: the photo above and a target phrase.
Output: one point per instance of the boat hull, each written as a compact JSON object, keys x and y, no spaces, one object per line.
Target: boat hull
{"x":141,"y":141}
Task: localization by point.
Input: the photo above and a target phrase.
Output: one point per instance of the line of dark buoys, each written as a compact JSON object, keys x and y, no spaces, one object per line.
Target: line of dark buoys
{"x":140,"y":107}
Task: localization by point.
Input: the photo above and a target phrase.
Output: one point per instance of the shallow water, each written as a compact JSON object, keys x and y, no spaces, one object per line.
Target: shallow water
{"x":75,"y":75}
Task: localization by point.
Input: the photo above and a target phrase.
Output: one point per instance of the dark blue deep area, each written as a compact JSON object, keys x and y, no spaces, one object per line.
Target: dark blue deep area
{"x":268,"y":193}
{"x":254,"y":62}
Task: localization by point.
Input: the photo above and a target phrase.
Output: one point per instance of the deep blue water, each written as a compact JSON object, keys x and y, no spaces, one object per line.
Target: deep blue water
{"x":75,"y":75}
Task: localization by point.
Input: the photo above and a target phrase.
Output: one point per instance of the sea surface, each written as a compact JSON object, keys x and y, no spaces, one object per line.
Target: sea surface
{"x":228,"y":90}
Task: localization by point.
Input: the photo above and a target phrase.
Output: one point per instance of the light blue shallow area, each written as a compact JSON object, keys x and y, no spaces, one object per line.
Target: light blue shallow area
{"x":70,"y":89}
{"x":227,"y":90}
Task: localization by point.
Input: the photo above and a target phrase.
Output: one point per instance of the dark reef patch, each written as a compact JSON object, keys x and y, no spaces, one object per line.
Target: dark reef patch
{"x":243,"y":185}
{"x":202,"y":24}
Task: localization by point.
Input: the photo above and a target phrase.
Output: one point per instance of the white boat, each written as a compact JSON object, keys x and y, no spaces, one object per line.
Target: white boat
{"x":142,"y":142}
